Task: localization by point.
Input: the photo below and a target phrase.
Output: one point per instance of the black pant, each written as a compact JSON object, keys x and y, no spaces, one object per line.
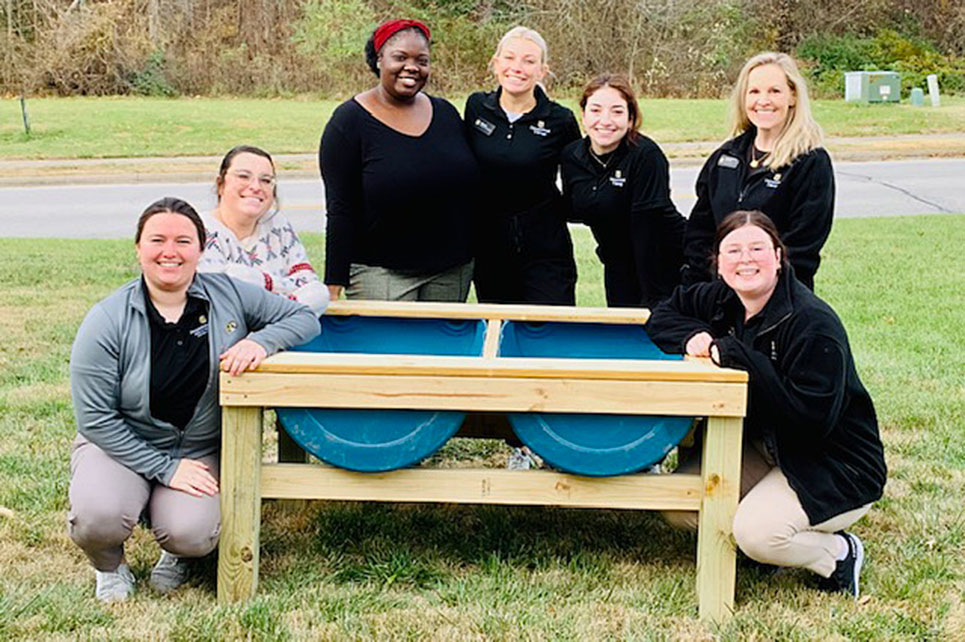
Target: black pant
{"x":525,"y":258}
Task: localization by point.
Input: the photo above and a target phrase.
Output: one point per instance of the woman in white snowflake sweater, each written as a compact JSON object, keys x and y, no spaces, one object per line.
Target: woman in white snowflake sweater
{"x":247,"y":241}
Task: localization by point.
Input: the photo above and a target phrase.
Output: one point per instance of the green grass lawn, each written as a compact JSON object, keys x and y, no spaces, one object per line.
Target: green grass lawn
{"x":362,"y":571}
{"x":120,"y":127}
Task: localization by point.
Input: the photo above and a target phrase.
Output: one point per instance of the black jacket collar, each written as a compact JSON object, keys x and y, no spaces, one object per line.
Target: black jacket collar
{"x":778,"y":308}
{"x":542,"y":109}
{"x":582,"y":154}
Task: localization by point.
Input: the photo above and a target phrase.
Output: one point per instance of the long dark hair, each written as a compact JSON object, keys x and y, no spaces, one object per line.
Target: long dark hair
{"x":171,"y":205}
{"x":740,"y":218}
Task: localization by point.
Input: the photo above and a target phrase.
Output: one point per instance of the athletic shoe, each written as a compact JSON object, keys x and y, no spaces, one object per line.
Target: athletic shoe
{"x":847,"y":572}
{"x":169,"y":573}
{"x":115,"y":586}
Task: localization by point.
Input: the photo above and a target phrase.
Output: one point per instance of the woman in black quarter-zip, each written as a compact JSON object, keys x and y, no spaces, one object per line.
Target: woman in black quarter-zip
{"x":617,"y":181}
{"x":523,"y":249}
{"x":812,"y":461}
{"x":774,"y":163}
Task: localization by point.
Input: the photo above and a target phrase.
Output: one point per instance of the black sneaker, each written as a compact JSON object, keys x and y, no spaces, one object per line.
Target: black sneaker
{"x":847,"y":572}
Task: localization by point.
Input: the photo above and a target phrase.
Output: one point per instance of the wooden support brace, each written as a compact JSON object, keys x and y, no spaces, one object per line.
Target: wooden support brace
{"x":716,"y":550}
{"x":240,"y":503}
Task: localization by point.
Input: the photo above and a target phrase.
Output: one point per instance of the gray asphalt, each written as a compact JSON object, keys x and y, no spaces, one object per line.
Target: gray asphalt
{"x":867,"y":189}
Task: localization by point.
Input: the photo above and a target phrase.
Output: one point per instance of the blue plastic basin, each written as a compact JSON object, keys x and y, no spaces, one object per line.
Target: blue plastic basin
{"x":591,"y":444}
{"x":380,"y":440}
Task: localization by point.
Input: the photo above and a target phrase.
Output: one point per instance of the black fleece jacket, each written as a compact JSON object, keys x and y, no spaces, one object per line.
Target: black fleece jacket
{"x":799,"y":198}
{"x":805,"y":398}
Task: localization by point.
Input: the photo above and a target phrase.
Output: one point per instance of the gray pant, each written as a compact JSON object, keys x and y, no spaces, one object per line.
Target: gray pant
{"x":108,"y":498}
{"x":380,"y":284}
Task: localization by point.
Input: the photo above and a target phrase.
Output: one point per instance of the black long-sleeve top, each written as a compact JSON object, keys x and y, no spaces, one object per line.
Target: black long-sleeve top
{"x":799,"y":198}
{"x":519,"y":160}
{"x":804,"y":395}
{"x":625,"y":200}
{"x":396,"y":201}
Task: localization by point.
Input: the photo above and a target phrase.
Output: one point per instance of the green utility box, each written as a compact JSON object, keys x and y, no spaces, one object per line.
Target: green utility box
{"x":872,"y":86}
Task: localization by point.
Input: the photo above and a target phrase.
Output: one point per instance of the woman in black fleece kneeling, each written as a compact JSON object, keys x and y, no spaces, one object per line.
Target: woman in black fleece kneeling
{"x":813,"y":461}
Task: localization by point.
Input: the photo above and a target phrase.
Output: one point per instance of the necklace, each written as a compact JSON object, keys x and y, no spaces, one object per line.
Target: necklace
{"x":757,"y":160}
{"x":603,"y":163}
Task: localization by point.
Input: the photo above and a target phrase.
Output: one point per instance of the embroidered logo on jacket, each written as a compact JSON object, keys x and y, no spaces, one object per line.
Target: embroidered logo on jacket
{"x":618,"y":179}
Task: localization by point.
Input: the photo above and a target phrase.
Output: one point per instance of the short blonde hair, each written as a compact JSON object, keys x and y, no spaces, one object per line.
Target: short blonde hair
{"x":801,"y":132}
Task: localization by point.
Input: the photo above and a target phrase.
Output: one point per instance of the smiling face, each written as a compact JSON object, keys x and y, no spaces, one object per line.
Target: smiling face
{"x":168,"y":251}
{"x":768,"y":98}
{"x":606,"y":119}
{"x":247,"y":191}
{"x":748,"y":262}
{"x":403,"y":64}
{"x":518,"y":66}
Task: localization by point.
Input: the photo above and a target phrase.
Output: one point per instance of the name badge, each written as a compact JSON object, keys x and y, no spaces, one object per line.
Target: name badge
{"x":730,"y":162}
{"x":539,"y":128}
{"x":484,"y":126}
{"x":618,"y":179}
{"x":200,"y":331}
{"x":773,"y":183}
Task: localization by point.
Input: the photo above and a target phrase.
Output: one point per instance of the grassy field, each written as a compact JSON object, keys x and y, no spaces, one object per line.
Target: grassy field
{"x":415,"y":572}
{"x":120,"y":127}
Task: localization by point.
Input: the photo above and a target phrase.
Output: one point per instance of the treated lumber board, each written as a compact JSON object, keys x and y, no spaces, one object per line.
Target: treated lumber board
{"x":494,"y":329}
{"x":716,"y":549}
{"x":240,"y":503}
{"x":483,"y":486}
{"x":686,"y":398}
{"x":529,"y":367}
{"x":431,"y":310}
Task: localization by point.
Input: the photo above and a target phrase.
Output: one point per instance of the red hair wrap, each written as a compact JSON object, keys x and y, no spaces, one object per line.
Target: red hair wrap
{"x":388,"y":29}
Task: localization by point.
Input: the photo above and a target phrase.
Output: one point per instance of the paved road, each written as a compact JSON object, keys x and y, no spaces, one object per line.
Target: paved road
{"x":887,"y":188}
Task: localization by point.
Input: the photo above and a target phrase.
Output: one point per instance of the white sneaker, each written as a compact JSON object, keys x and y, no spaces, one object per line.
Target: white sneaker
{"x":169,"y":573}
{"x":115,"y":586}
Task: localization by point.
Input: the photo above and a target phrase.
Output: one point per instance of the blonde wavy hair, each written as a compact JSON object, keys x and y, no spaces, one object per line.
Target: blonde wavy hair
{"x":801,"y":132}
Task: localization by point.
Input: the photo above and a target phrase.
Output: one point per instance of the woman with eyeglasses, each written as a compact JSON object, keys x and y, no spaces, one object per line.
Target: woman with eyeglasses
{"x":144,"y":381}
{"x":813,"y":461}
{"x":249,"y":240}
{"x":400,"y":181}
{"x":774,"y":163}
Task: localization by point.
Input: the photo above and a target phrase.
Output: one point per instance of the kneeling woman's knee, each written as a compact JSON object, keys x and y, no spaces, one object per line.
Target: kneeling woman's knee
{"x":188,"y":538}
{"x":755,"y":534}
{"x":100,"y":525}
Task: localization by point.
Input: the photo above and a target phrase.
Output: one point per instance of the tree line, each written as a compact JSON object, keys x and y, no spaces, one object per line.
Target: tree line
{"x":679,"y":48}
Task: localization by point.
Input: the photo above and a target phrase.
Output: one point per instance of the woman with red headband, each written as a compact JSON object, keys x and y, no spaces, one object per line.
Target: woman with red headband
{"x":399,"y":181}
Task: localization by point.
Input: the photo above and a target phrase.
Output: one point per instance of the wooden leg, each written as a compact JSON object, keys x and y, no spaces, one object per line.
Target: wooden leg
{"x":240,"y":503}
{"x":716,"y":550}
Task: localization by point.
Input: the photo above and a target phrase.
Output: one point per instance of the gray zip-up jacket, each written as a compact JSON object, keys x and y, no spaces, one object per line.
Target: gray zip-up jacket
{"x":110,"y":369}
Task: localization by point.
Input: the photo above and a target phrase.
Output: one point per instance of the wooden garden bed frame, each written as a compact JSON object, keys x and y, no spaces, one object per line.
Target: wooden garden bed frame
{"x":486,"y":383}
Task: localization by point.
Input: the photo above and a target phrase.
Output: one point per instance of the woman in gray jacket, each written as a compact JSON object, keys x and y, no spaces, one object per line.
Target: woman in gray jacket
{"x":144,"y":380}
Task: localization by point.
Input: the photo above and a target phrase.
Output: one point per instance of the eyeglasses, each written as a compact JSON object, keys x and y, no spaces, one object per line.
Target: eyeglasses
{"x":756,"y":252}
{"x":265,"y":180}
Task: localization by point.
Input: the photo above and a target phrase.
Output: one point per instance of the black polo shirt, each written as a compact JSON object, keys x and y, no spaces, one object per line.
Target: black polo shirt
{"x":179,"y":361}
{"x":624,"y":197}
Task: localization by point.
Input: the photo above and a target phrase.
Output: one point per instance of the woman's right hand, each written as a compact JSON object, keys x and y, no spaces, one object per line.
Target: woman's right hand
{"x":335,"y":291}
{"x":194,"y":478}
{"x":699,"y":344}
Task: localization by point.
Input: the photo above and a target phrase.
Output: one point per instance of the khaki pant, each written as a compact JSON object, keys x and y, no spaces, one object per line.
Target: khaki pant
{"x":107,"y":499}
{"x":770,"y":526}
{"x":380,"y":284}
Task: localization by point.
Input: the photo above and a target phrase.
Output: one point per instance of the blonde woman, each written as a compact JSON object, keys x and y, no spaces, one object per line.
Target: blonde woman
{"x":773,"y":163}
{"x":523,"y":249}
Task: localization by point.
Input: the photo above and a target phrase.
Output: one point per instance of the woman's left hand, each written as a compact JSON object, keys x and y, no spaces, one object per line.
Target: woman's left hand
{"x":244,"y":355}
